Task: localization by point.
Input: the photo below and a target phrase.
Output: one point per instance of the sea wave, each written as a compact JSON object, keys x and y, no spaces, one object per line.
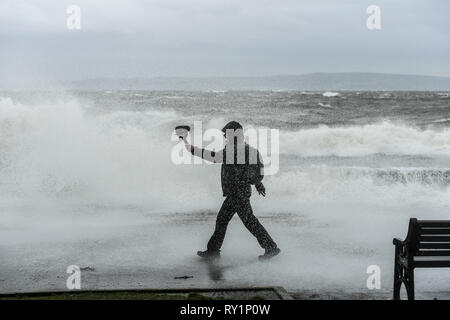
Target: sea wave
{"x":331,"y":94}
{"x":60,"y":150}
{"x":380,"y":138}
{"x":64,"y":150}
{"x":324,"y":105}
{"x":436,"y":177}
{"x":442,"y":120}
{"x":307,"y":186}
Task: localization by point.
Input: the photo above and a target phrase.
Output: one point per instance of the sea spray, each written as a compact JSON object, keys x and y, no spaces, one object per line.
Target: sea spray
{"x":88,"y":179}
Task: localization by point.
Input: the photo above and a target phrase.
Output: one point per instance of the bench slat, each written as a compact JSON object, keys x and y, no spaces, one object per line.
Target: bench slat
{"x":434,"y":253}
{"x":433,"y":245}
{"x":434,"y":231}
{"x":434,"y":223}
{"x":432,"y":264}
{"x":434,"y":238}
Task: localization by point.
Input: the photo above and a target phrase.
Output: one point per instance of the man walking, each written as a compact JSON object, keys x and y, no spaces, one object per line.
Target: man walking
{"x":241,"y":167}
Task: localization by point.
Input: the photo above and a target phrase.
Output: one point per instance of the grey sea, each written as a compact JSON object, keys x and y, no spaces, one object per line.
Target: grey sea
{"x":87,"y":178}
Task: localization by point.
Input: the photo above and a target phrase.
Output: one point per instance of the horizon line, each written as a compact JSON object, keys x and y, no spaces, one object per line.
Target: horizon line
{"x":254,"y":76}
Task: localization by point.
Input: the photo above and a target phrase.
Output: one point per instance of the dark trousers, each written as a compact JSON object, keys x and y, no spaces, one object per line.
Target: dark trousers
{"x":241,"y":205}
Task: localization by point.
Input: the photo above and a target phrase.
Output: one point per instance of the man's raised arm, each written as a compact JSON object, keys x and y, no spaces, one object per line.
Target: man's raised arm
{"x":208,"y":155}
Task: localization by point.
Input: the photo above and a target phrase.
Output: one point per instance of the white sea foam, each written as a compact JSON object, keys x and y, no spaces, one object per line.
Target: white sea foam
{"x":385,"y":138}
{"x":442,"y":120}
{"x":325,"y":105}
{"x":330,"y":94}
{"x":61,"y":150}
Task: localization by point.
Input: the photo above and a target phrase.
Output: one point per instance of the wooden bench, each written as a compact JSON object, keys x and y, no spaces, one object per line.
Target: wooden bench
{"x":426,"y":246}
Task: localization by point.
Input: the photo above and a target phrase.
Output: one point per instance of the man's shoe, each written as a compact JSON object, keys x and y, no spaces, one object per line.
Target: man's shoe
{"x":209,"y":254}
{"x":270,"y":253}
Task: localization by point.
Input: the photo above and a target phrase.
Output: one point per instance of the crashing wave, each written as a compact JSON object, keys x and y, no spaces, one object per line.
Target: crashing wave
{"x":380,"y":138}
{"x":331,"y":94}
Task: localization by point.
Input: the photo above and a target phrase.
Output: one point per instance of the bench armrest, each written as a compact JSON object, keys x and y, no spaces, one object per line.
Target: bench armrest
{"x":398,"y":242}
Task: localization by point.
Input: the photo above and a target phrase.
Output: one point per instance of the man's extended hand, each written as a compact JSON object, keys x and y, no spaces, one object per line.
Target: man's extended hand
{"x":261,"y":189}
{"x":186,"y":144}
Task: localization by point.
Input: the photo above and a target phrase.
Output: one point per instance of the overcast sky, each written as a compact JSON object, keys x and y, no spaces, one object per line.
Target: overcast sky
{"x":137,"y":38}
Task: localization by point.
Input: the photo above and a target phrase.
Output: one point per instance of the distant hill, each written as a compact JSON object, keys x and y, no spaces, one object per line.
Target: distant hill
{"x":313,"y":81}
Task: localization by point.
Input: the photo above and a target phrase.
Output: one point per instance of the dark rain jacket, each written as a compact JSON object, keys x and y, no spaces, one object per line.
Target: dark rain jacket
{"x":238,"y":173}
